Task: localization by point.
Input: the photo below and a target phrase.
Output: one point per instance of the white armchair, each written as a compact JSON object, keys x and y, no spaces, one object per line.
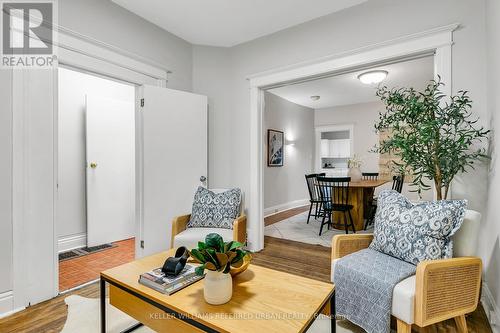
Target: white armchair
{"x":189,"y":237}
{"x":440,"y":289}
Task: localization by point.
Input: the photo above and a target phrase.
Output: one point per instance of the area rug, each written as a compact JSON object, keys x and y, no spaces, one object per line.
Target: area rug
{"x":83,"y":317}
{"x":296,"y":228}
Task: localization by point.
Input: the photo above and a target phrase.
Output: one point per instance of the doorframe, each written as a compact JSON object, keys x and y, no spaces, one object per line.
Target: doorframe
{"x":318,"y":130}
{"x":438,"y":41}
{"x":91,"y":55}
{"x":105,"y":60}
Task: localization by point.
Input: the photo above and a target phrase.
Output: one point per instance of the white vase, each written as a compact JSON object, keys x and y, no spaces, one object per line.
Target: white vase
{"x":355,"y":174}
{"x":218,"y":287}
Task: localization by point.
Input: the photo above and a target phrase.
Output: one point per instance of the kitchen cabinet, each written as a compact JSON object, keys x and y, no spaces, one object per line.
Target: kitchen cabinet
{"x":335,"y":148}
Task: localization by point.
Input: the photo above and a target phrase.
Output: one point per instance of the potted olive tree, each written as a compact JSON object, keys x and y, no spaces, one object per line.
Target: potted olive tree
{"x":434,"y":137}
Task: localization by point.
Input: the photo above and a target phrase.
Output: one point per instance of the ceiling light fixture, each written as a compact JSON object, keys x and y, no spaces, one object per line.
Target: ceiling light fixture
{"x":315,"y":98}
{"x":372,"y":77}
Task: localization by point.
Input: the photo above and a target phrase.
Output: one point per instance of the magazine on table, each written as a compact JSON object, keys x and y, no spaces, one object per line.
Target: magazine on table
{"x":166,"y":284}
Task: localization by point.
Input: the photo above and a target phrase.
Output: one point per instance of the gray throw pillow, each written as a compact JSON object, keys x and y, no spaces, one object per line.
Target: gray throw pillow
{"x":416,"y":232}
{"x":215,"y":210}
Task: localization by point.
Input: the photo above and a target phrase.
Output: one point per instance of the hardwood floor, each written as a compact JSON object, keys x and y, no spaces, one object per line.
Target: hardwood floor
{"x":271,"y":219}
{"x":297,"y":258}
{"x":46,"y":317}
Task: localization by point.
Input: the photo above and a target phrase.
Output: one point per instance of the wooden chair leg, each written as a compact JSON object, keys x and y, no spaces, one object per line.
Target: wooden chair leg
{"x":403,"y":327}
{"x":461,"y":324}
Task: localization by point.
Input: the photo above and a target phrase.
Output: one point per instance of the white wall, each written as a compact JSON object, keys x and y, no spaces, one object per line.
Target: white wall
{"x":214,"y":62}
{"x":490,"y":237}
{"x":363,"y":116}
{"x":73,"y":87}
{"x":285,"y":186}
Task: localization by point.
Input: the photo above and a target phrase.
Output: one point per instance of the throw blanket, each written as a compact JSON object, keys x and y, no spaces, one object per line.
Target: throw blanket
{"x":364,"y":282}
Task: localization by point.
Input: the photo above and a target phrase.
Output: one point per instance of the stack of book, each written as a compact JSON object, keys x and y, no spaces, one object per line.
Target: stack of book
{"x":166,"y":284}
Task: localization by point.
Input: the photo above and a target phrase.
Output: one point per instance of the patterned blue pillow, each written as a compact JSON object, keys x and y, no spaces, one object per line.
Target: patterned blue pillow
{"x":215,"y":210}
{"x":416,"y":232}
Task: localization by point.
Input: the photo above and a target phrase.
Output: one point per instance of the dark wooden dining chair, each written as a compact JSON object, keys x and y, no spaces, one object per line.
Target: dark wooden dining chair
{"x":334,"y":193}
{"x":370,"y":175}
{"x":372,"y":201}
{"x":397,"y":182}
{"x":314,"y":198}
{"x":397,"y":185}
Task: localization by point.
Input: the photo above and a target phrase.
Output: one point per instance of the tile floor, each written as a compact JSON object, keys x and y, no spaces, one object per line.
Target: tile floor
{"x":295,"y":228}
{"x":77,"y":271}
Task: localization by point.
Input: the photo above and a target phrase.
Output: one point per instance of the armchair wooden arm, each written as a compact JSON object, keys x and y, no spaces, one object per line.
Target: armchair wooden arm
{"x":179,"y":224}
{"x":240,"y":229}
{"x":447,"y":288}
{"x":343,"y":245}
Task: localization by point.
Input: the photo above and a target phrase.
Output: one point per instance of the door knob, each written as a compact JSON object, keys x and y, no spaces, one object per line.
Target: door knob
{"x":93,"y":165}
{"x":203,"y":179}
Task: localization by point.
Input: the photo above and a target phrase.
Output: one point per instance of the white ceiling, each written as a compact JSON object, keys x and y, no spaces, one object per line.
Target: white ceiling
{"x":346,"y":89}
{"x":230,"y":22}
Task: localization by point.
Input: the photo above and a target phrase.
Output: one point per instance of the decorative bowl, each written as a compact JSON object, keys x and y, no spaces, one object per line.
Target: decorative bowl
{"x":238,"y":270}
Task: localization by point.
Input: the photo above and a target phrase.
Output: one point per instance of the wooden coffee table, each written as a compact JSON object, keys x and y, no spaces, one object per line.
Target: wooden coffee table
{"x":264,"y":301}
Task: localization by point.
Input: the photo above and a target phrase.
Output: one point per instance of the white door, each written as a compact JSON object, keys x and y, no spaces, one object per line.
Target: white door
{"x":110,"y":130}
{"x":172,"y":160}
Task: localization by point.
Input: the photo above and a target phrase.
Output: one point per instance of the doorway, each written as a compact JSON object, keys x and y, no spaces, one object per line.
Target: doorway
{"x":328,"y":124}
{"x":436,"y":43}
{"x":96,"y":175}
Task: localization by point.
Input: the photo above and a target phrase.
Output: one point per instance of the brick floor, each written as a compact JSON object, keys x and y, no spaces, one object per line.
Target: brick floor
{"x":77,"y":271}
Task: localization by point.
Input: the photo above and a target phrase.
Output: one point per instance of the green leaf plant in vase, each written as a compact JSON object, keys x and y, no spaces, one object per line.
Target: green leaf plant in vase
{"x":221,"y":260}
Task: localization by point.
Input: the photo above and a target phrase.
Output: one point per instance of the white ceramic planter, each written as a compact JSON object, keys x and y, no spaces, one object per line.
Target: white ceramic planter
{"x":355,"y":174}
{"x":218,"y":287}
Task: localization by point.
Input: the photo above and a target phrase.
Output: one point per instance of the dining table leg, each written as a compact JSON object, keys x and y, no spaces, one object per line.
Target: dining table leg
{"x":356,"y":199}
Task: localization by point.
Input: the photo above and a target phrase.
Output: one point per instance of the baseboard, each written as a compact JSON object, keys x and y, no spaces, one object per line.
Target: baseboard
{"x":288,"y":205}
{"x":491,"y":308}
{"x":7,"y":304}
{"x":71,"y":242}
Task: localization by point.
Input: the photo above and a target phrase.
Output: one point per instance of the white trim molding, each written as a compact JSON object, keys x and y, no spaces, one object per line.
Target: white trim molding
{"x":491,"y":308}
{"x":436,"y":41}
{"x":35,"y":160}
{"x":71,"y":242}
{"x":7,"y":304}
{"x":285,"y":206}
{"x":77,"y":50}
{"x":422,"y":42}
{"x":144,"y":65}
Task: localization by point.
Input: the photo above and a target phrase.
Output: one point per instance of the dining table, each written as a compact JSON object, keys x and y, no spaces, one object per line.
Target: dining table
{"x":360,"y":197}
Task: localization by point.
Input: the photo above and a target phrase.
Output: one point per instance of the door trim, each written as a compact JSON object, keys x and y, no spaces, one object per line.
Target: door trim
{"x":438,"y":41}
{"x":330,"y":128}
{"x":78,"y":51}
